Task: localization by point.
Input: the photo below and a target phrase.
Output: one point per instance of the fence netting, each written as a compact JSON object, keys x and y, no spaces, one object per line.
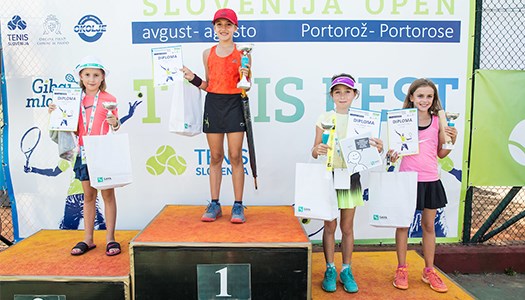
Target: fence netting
{"x":500,"y":45}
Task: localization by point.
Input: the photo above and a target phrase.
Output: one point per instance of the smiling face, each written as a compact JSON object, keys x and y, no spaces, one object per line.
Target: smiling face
{"x":91,"y":79}
{"x":423,"y":98}
{"x":354,"y":157}
{"x":343,"y":97}
{"x":422,"y":91}
{"x":224,"y":29}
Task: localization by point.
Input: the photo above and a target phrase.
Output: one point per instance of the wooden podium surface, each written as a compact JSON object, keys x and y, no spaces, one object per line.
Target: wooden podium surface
{"x":265,"y":224}
{"x":42,"y":265}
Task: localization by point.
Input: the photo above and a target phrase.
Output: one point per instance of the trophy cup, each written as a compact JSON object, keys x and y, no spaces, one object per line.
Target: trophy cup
{"x":447,"y":119}
{"x":451,"y":117}
{"x":245,"y":49}
{"x":326,"y":131}
{"x":110,"y":106}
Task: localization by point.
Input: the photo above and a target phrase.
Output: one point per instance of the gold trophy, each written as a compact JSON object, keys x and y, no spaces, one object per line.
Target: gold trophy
{"x":245,"y":50}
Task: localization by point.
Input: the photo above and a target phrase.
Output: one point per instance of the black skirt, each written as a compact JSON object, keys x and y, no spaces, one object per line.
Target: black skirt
{"x":431,"y":195}
{"x":223,"y":113}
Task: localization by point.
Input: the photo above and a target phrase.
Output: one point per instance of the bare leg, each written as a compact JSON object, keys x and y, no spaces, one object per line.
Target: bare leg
{"x":429,"y":236}
{"x":216,"y":144}
{"x":329,"y":240}
{"x":90,"y":198}
{"x":401,"y":245}
{"x":235,"y":156}
{"x":110,"y":212}
{"x":347,"y":229}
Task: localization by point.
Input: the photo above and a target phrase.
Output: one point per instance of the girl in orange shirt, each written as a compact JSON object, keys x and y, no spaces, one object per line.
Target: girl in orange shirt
{"x":223,"y":114}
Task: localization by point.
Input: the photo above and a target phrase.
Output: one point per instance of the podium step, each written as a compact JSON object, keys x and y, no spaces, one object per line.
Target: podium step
{"x":374,"y":273}
{"x":41,"y":265}
{"x":268,"y":257}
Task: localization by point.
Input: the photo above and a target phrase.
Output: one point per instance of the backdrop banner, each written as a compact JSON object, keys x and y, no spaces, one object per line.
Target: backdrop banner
{"x":298,"y":46}
{"x":498,"y":129}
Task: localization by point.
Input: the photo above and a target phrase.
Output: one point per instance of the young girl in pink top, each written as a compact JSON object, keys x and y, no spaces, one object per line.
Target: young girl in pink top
{"x":94,"y":120}
{"x":422,"y":94}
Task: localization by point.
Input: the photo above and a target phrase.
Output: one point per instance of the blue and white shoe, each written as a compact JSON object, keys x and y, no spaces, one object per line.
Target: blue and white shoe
{"x":213,"y":211}
{"x":238,"y":214}
{"x":348,"y":281}
{"x":330,"y":280}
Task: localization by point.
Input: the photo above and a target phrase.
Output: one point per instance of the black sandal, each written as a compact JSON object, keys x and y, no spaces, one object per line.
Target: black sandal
{"x":83,"y":247}
{"x":110,"y":246}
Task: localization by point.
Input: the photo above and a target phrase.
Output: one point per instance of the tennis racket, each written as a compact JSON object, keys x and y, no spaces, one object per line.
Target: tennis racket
{"x":71,"y":78}
{"x":29,"y":142}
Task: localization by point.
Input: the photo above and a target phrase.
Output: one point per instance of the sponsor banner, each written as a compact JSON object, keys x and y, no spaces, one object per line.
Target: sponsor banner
{"x":298,"y":47}
{"x":302,"y":31}
{"x":500,"y":158}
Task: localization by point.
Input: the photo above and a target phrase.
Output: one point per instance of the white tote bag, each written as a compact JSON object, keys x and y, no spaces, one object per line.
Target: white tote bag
{"x":315,"y":196}
{"x":186,"y":109}
{"x":392,"y":198}
{"x":109,"y":160}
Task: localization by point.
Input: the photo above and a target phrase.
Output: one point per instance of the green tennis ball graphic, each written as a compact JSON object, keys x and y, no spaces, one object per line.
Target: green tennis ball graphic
{"x":517,"y":143}
{"x":163,"y":153}
{"x":153,"y":166}
{"x":176,"y":164}
{"x":446,"y":164}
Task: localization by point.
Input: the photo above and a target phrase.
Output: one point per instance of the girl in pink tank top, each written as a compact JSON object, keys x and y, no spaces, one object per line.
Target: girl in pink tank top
{"x":423,"y":95}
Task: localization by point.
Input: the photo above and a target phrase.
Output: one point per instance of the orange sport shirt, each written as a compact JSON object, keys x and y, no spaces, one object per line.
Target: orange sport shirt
{"x":223,"y":72}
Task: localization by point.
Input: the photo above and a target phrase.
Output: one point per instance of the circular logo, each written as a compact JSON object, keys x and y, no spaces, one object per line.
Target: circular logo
{"x":90,"y":28}
{"x":517,"y":143}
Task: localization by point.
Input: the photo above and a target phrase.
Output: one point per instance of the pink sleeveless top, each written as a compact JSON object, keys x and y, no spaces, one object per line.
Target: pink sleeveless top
{"x":426,"y":162}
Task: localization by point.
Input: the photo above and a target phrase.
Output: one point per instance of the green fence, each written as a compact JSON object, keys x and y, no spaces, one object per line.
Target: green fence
{"x":495,"y":214}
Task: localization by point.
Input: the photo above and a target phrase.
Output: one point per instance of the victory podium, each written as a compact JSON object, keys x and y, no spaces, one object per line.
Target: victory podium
{"x":179,"y":257}
{"x":41,"y":266}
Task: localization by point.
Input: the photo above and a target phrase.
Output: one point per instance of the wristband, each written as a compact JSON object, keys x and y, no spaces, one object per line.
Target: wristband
{"x":196,"y":81}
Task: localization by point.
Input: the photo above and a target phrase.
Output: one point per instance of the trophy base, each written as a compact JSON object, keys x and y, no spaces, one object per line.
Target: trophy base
{"x":244,"y":84}
{"x":448,"y":146}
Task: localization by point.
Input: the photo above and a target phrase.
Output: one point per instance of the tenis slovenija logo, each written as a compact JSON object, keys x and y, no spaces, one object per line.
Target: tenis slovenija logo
{"x":90,"y":28}
{"x":17,"y":38}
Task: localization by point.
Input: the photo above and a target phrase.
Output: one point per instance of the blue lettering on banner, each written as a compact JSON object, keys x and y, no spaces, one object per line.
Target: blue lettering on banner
{"x":399,"y":31}
{"x":204,"y":159}
{"x":42,"y":92}
{"x":90,"y":28}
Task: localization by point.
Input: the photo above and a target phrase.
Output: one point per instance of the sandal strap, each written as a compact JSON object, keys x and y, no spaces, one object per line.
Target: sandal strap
{"x":82,"y":246}
{"x":113,"y":245}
